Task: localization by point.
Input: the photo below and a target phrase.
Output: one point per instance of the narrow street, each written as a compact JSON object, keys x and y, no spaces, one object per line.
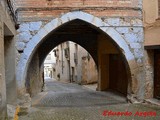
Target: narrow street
{"x":68,"y":101}
{"x":107,"y":50}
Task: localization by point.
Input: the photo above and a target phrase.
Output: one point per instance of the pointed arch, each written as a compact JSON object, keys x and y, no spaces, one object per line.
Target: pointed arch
{"x":56,"y":23}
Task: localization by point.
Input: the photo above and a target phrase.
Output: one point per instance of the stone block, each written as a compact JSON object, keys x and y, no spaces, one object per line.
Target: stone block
{"x":42,"y":33}
{"x":122,"y":30}
{"x":136,"y":22}
{"x":84,"y":16}
{"x":65,"y":18}
{"x":49,"y":27}
{"x":29,"y":48}
{"x":23,"y":27}
{"x":71,"y":15}
{"x":113,"y":21}
{"x":20,"y":46}
{"x":104,"y":28}
{"x":56,"y":22}
{"x":11,"y":111}
{"x":131,"y":37}
{"x":141,"y":36}
{"x":124,"y":22}
{"x":136,"y":29}
{"x":24,"y":36}
{"x":135,"y":45}
{"x":35,"y":26}
{"x":98,"y":22}
{"x":34,"y":41}
{"x":138,"y":53}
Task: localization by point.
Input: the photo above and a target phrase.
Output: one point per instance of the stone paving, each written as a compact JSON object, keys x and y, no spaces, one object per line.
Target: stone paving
{"x":61,"y":101}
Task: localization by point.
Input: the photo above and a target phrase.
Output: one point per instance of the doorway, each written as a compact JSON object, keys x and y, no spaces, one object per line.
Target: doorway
{"x":117,"y":74}
{"x":157,"y":74}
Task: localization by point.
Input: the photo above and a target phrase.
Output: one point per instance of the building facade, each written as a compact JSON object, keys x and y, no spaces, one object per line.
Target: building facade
{"x":152,"y":47}
{"x":49,"y":66}
{"x":74,"y":64}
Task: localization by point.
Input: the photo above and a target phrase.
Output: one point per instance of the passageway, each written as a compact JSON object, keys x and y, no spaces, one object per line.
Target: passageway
{"x":60,"y":94}
{"x":113,"y":70}
{"x":61,"y":101}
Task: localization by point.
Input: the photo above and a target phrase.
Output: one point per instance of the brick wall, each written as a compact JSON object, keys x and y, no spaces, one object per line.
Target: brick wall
{"x":28,"y":10}
{"x":76,"y":3}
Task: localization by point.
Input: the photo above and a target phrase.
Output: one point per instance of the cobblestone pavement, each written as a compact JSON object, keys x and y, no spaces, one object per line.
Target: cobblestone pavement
{"x":61,"y":101}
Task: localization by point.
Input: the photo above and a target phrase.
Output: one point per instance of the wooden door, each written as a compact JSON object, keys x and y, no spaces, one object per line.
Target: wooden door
{"x":118,"y":79}
{"x":104,"y":72}
{"x":113,"y":71}
{"x":157,"y":74}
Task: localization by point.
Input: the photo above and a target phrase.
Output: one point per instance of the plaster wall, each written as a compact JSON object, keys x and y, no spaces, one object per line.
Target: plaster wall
{"x":150,"y":11}
{"x":89,"y":70}
{"x":6,"y":29}
{"x":86,"y":67}
{"x":9,"y":52}
{"x":2,"y":76}
{"x":62,"y":63}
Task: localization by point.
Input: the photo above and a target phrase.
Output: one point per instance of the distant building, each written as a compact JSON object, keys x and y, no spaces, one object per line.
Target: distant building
{"x":49,"y":65}
{"x":73,"y":64}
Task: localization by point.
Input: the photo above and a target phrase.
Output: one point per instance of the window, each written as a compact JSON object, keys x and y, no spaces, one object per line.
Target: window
{"x":75,"y":58}
{"x":66,"y":52}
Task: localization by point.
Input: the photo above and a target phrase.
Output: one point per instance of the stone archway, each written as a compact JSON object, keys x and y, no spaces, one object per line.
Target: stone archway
{"x":34,"y":43}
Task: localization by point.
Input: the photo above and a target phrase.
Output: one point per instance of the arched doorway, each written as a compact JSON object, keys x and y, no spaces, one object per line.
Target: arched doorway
{"x":70,"y":63}
{"x":86,"y":30}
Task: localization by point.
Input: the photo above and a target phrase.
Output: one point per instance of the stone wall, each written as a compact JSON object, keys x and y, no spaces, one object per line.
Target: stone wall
{"x":150,"y":12}
{"x":89,"y":70}
{"x":131,"y":29}
{"x":24,"y":34}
